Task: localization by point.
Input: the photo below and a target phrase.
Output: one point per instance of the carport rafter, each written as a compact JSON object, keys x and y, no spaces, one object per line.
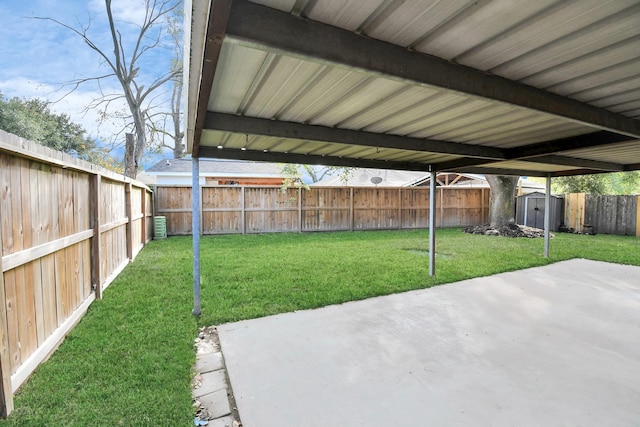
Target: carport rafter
{"x":576,"y":162}
{"x":310,"y":159}
{"x":216,"y":29}
{"x":272,"y":30}
{"x":545,"y":153}
{"x":474,"y":155}
{"x":588,"y":140}
{"x":593,"y":165}
{"x":283,"y":129}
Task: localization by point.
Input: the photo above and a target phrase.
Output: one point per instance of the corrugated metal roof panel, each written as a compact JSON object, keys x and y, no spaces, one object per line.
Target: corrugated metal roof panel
{"x":321,"y":94}
{"x":626,"y":153}
{"x":610,"y":64}
{"x":601,"y":77}
{"x":387,"y":109}
{"x":585,"y":49}
{"x":624,"y":86}
{"x":396,"y":120}
{"x":282,"y":80}
{"x":617,"y":99}
{"x":237,"y":71}
{"x":585,"y":41}
{"x":405,"y":22}
{"x":487,"y":19}
{"x":348,"y":14}
{"x":549,"y":132}
{"x":561,"y":19}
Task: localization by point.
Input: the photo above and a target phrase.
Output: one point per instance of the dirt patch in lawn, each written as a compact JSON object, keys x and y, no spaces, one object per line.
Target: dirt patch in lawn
{"x":507,"y":230}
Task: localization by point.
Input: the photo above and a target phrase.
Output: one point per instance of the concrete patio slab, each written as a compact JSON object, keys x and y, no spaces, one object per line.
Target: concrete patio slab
{"x":554,"y":345}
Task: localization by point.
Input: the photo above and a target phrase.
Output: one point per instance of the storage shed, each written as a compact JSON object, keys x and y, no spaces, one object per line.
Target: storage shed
{"x":530,"y":211}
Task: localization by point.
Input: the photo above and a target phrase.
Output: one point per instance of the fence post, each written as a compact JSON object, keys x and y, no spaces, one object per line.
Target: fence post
{"x":96,"y":197}
{"x":143,"y":209}
{"x":242,"y":211}
{"x":399,"y":208}
{"x":128,"y":213}
{"x":351,"y":215}
{"x":156,"y":202}
{"x":6,"y":392}
{"x":300,"y":210}
{"x":201,"y":219}
{"x":441,"y":216}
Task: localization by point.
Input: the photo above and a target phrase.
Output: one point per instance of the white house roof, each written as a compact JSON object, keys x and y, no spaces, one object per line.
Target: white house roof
{"x":536,"y":88}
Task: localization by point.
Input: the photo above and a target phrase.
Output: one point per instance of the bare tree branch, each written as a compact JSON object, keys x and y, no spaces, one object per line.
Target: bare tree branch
{"x":142,"y":95}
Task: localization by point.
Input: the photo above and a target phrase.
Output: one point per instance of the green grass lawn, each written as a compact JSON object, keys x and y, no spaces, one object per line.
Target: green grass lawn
{"x":129,"y":360}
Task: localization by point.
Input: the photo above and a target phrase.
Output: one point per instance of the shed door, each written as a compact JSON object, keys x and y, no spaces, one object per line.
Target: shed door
{"x":535,"y":212}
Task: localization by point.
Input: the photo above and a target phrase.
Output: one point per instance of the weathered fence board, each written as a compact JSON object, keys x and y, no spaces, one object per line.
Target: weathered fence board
{"x":574,"y":211}
{"x":235,"y":209}
{"x":65,"y":225}
{"x":603,"y":214}
{"x":611,"y":214}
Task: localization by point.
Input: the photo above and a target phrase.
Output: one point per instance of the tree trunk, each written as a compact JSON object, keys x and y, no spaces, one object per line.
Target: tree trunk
{"x":502,"y":207}
{"x":130,"y":169}
{"x":176,"y":97}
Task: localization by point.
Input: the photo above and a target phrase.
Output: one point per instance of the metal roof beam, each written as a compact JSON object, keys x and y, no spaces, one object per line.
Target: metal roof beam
{"x":465,"y":162}
{"x":544,"y":152}
{"x":575,"y":172}
{"x":269,"y":29}
{"x":455,"y":165}
{"x":588,"y":140}
{"x":501,"y":171}
{"x":216,"y":29}
{"x":281,"y":129}
{"x":576,"y":162}
{"x":309,"y":159}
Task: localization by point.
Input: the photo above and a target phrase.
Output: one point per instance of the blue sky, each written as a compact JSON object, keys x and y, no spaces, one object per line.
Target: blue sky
{"x":39,"y":56}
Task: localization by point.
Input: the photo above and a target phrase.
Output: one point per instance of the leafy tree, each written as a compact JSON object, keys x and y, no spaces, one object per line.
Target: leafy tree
{"x":593,"y":184}
{"x":296,"y":174}
{"x":32,"y":119}
{"x":129,"y":62}
{"x":608,"y":183}
{"x":102,"y":157}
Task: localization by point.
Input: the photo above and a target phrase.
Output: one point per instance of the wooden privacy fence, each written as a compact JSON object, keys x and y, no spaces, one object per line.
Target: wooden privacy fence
{"x":587,"y":213}
{"x":67,"y":228}
{"x":239,"y":209}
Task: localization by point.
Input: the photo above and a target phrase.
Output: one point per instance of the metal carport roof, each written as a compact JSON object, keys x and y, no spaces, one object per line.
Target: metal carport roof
{"x":544,"y":88}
